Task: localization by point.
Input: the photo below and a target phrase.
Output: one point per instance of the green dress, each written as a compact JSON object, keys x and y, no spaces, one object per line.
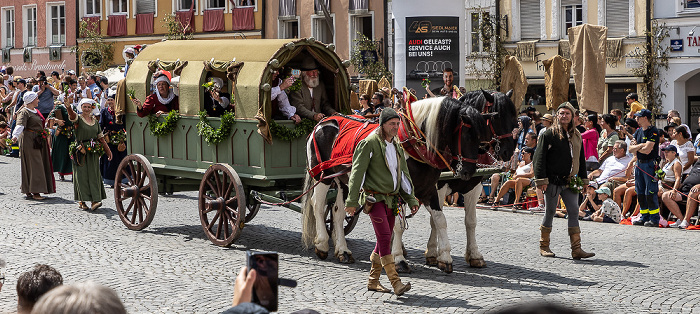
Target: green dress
{"x":87,"y":181}
{"x":59,"y":151}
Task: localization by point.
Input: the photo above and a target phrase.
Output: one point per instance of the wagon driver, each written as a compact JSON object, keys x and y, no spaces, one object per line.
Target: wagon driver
{"x":161,"y":101}
{"x":379,"y":168}
{"x":311,"y":99}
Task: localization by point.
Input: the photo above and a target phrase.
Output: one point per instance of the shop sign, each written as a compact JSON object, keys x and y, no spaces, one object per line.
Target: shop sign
{"x":677,"y":45}
{"x":432,"y":46}
{"x":633,"y":63}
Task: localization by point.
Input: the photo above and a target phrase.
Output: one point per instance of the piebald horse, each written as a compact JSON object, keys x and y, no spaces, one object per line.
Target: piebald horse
{"x":499,"y":134}
{"x":451,"y":128}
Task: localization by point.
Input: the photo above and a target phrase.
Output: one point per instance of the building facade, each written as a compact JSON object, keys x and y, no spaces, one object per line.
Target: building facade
{"x":127,"y":23}
{"x":536,"y":30}
{"x":37,"y":35}
{"x":681,"y":82}
{"x":346,"y":19}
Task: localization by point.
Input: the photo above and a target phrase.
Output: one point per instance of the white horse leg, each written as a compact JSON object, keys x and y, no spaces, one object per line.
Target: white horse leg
{"x":319,"y":204}
{"x":444,"y":257}
{"x":472,"y":254}
{"x":341,"y":246}
{"x":431,"y":251}
{"x":397,"y":249}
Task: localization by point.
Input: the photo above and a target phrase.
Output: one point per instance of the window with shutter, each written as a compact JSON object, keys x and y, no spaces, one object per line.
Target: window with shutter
{"x":358,"y":5}
{"x":318,"y":6}
{"x":8,"y":23}
{"x":530,"y":19}
{"x":145,"y":6}
{"x":320,"y":29}
{"x":617,"y":18}
{"x":288,"y":8}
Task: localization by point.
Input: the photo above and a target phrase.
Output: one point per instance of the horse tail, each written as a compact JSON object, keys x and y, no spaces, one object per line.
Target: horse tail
{"x":308,"y":227}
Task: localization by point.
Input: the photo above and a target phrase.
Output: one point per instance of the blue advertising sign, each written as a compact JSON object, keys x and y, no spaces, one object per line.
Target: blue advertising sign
{"x":677,"y":45}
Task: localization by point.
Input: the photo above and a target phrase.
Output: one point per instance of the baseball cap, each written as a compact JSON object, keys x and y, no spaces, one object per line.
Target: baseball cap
{"x":71,"y":72}
{"x":604,"y":190}
{"x":671,"y":148}
{"x":643,"y":113}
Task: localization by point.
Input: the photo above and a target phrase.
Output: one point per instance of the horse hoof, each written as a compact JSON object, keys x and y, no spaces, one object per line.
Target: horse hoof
{"x":322,"y":255}
{"x":431,"y":261}
{"x":477,"y":263}
{"x":402,"y":267}
{"x":346,"y":258}
{"x":445,"y":267}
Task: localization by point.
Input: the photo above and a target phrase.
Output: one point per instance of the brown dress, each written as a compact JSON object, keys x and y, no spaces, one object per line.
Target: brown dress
{"x":37,"y":173}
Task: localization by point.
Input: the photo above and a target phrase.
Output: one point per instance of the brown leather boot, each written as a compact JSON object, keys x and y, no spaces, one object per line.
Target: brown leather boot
{"x":390,"y":269}
{"x":544,"y":241}
{"x":374,"y":273}
{"x":576,"y":251}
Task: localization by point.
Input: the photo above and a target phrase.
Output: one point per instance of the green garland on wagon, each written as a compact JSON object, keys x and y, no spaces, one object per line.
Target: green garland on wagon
{"x":167,"y":126}
{"x":212,"y":135}
{"x":300,"y":130}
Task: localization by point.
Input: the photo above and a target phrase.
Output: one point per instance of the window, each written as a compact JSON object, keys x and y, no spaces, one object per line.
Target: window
{"x":530,"y":27}
{"x":617,"y":18}
{"x":30,"y":37}
{"x":692,"y":4}
{"x":358,"y":5}
{"x":318,"y":6}
{"x":480,"y":27}
{"x":572,"y":16}
{"x":320,"y":29}
{"x":287,"y":8}
{"x":288,"y":28}
{"x":361,"y":24}
{"x":120,"y":6}
{"x":216,"y":4}
{"x":184,"y":5}
{"x":57,"y":24}
{"x":145,"y":6}
{"x":92,"y":7}
{"x":246,"y":3}
{"x":8,"y":26}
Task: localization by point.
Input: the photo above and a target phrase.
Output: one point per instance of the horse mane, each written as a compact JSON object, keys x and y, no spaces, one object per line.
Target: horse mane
{"x":438,"y":118}
{"x":478,"y":123}
{"x":425,"y":115}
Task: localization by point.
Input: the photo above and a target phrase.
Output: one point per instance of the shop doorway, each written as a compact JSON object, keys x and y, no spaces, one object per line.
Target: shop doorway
{"x":617,"y":95}
{"x":693,"y":112}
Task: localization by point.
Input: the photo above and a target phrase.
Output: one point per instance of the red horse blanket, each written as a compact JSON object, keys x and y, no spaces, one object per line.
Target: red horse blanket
{"x":350,"y":133}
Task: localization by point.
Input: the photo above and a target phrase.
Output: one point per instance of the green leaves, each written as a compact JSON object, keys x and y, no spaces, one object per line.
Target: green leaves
{"x":167,"y":126}
{"x":302,"y":129}
{"x":212,"y":135}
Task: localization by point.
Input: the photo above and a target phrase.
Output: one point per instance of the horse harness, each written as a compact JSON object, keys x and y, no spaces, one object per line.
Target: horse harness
{"x":494,"y":138}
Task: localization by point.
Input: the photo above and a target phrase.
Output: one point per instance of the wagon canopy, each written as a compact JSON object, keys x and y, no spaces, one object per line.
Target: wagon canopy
{"x":261,"y":57}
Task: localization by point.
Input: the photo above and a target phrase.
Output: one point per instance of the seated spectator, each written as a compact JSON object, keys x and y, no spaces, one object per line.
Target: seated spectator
{"x":612,"y":167}
{"x":366,"y":107}
{"x":635,"y":106}
{"x":606,"y":143}
{"x":590,"y":141}
{"x":217,"y":102}
{"x":522,"y":178}
{"x":524,"y":127}
{"x":86,"y":297}
{"x":378,"y":104}
{"x":311,"y":99}
{"x":281,"y":108}
{"x":671,"y":114}
{"x":161,"y":101}
{"x":672,"y":169}
{"x":690,"y":187}
{"x":608,"y":211}
{"x":590,"y":203}
{"x":33,"y":284}
{"x":686,"y":151}
{"x":4,"y":134}
{"x":697,"y":141}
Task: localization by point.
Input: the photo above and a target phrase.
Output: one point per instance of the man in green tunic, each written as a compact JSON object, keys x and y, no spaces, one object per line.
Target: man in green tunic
{"x":379,"y":168}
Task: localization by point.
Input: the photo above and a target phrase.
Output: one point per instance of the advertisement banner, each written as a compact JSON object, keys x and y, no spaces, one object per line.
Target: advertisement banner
{"x":432,"y":45}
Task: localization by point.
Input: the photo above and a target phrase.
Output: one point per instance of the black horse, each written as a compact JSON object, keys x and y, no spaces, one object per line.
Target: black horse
{"x":501,"y":120}
{"x":440,"y":119}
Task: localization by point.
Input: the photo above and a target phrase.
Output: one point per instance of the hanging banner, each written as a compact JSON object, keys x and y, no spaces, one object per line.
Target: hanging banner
{"x":432,"y":45}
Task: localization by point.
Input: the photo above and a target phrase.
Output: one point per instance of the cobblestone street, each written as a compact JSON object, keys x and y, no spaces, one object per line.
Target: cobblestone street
{"x":171,"y":267}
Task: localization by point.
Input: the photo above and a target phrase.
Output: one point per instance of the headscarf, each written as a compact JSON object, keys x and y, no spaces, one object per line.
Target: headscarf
{"x":29,"y":96}
{"x":171,"y":94}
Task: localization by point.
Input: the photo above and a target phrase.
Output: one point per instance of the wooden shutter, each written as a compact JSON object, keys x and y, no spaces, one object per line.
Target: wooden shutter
{"x":530,"y":19}
{"x":617,"y":18}
{"x":145,"y":6}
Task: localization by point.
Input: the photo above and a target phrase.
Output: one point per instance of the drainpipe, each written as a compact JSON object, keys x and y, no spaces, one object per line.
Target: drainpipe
{"x":386,"y":34}
{"x":649,"y":38}
{"x":262,"y":26}
{"x":77,"y":35}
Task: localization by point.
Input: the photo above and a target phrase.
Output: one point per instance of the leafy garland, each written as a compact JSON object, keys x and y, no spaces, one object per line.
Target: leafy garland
{"x":295,"y":86}
{"x":215,"y":136}
{"x":92,"y":146}
{"x":167,"y":126}
{"x":300,"y":130}
{"x":118,"y":137}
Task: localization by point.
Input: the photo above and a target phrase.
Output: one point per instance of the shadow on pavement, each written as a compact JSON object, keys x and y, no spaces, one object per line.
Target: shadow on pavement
{"x":189,"y":231}
{"x":426,"y":301}
{"x":602,"y":262}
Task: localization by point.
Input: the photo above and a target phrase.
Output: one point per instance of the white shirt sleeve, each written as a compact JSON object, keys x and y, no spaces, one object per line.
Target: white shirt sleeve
{"x":285,"y":107}
{"x":18,"y":130}
{"x":225,"y":102}
{"x":392,"y":161}
{"x":405,"y":184}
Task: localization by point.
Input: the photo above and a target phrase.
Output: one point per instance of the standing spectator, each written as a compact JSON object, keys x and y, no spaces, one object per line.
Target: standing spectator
{"x":627,"y":131}
{"x":608,"y":211}
{"x":63,"y":136}
{"x":18,"y":99}
{"x":10,"y":71}
{"x":578,"y":122}
{"x":635,"y":106}
{"x":104,"y":85}
{"x":559,"y":158}
{"x":55,"y":81}
{"x":646,"y":146}
{"x":524,"y":127}
{"x":112,"y":130}
{"x":619,"y":115}
{"x":91,"y":83}
{"x":46,"y":93}
{"x":81,"y":298}
{"x":686,"y":151}
{"x":546,"y":122}
{"x":7,"y":100}
{"x":590,"y":141}
{"x":605,"y":144}
{"x":87,"y":182}
{"x":34,"y":284}
{"x":37,"y":176}
{"x":538,"y":122}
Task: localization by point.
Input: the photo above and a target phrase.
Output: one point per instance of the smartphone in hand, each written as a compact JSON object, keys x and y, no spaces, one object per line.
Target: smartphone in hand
{"x":296,"y":73}
{"x":265,"y":288}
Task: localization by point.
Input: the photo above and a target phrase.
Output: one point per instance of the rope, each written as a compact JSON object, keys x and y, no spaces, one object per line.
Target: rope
{"x":257,"y":198}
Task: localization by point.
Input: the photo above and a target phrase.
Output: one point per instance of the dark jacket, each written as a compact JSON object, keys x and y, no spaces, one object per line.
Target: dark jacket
{"x":553,"y":160}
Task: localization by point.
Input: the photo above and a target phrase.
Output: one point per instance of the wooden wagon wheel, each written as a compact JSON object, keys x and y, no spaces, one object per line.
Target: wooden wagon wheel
{"x":253,"y":207}
{"x":222,"y":204}
{"x":348,"y":223}
{"x":139,"y":192}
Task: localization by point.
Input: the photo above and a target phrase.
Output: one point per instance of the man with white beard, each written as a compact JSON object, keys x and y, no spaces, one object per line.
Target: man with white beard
{"x":311,"y":100}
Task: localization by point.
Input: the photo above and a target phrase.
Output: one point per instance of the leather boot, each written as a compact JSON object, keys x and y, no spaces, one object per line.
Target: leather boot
{"x":576,"y":251}
{"x":544,"y":241}
{"x":390,"y":269}
{"x":374,"y":273}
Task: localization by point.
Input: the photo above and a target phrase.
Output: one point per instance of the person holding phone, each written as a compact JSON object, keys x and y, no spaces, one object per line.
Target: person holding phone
{"x":379,"y":167}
